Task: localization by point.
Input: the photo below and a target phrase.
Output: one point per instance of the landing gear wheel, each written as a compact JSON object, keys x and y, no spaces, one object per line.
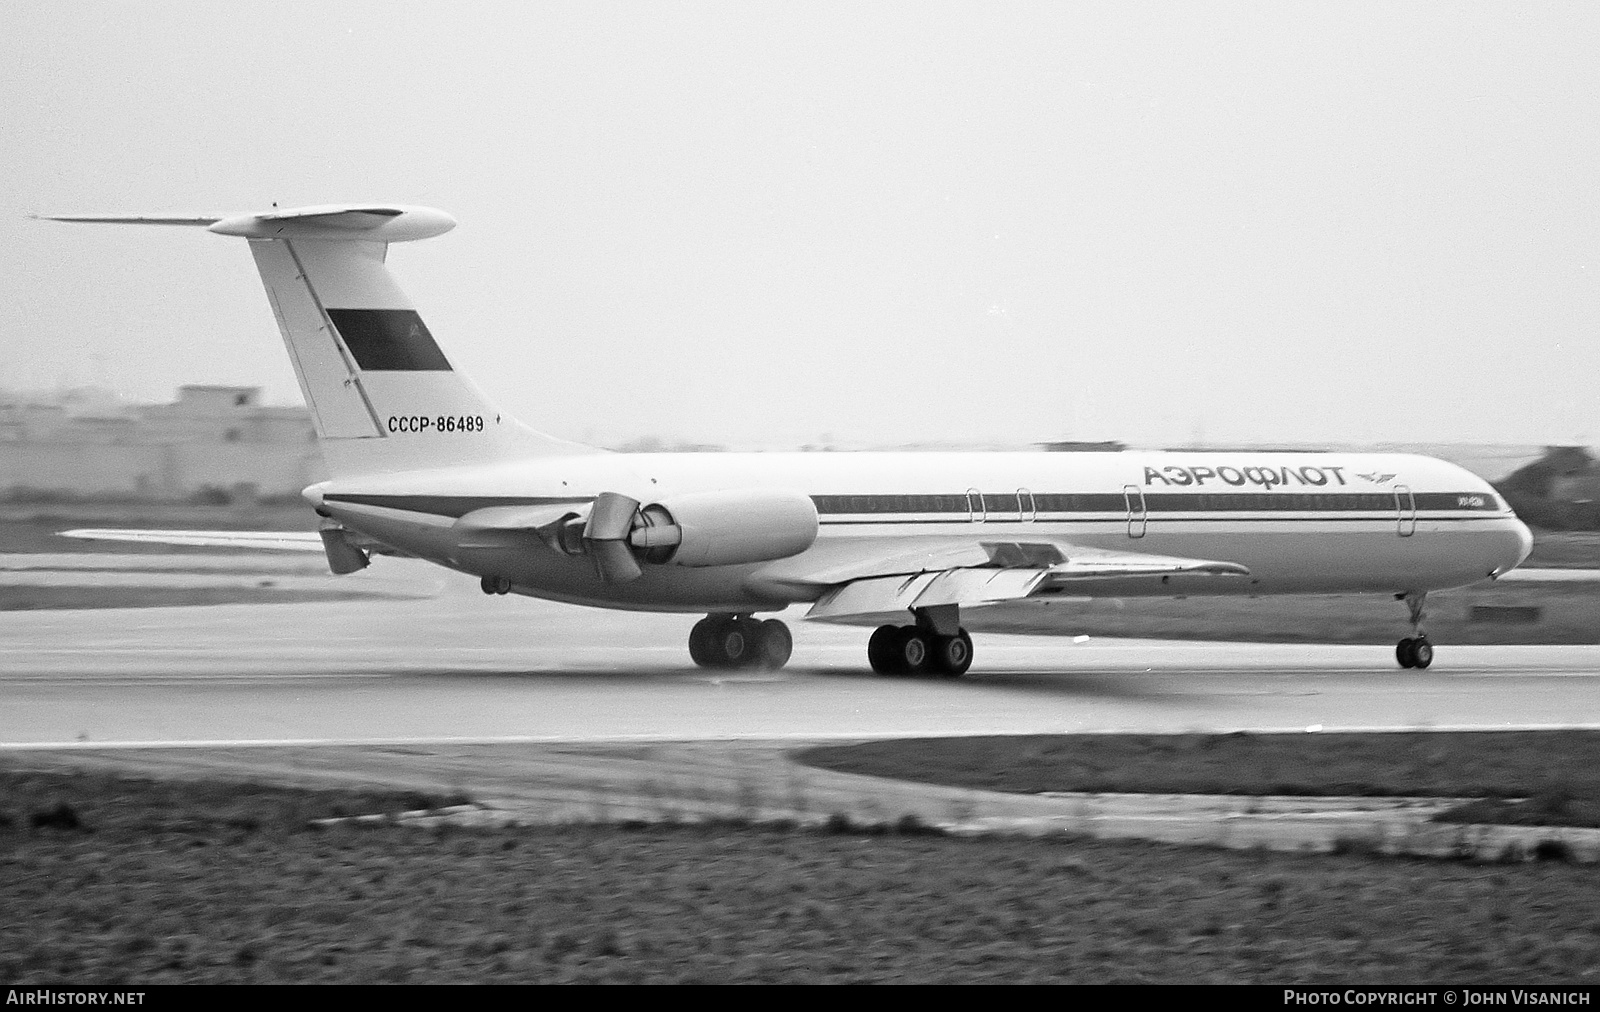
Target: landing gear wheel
{"x":952,"y":655}
{"x":736,"y":642}
{"x":911,"y":653}
{"x":880,"y":650}
{"x":702,"y":645}
{"x":1414,"y":652}
{"x":1421,"y":652}
{"x":723,"y":641}
{"x":773,"y":645}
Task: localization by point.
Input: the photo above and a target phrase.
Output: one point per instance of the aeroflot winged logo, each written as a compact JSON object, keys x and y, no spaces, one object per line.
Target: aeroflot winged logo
{"x":1262,"y":477}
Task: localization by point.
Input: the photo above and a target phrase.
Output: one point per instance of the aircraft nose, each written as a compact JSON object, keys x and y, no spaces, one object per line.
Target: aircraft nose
{"x":1515,"y":551}
{"x":1524,"y":544}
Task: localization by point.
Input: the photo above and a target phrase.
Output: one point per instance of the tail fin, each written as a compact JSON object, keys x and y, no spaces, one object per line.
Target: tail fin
{"x":383,"y":396}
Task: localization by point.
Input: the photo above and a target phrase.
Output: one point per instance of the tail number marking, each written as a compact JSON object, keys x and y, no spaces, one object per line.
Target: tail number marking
{"x":436,"y":423}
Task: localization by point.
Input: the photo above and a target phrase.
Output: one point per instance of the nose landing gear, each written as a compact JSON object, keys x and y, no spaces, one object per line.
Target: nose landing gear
{"x":740,"y":641}
{"x":1414,"y":651}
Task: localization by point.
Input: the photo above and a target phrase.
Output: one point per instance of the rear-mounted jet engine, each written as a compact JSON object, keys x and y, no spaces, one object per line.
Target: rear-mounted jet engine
{"x":726,"y":528}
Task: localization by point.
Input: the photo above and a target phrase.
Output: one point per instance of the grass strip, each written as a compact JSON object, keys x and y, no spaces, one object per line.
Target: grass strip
{"x":134,"y":881}
{"x":1556,"y":771}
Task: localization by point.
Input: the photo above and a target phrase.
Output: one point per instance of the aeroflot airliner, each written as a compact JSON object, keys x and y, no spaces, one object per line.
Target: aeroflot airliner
{"x":423,"y":465}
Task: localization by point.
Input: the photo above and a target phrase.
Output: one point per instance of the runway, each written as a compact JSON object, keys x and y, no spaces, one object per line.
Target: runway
{"x":544,"y":712}
{"x":463,"y":667}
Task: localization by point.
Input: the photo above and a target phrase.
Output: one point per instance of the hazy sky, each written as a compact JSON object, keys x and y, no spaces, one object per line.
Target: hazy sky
{"x":758,"y":223}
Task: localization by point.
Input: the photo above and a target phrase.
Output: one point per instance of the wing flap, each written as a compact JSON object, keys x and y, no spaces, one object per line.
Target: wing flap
{"x":1033,"y":568}
{"x":891,"y":596}
{"x":978,"y":586}
{"x":841,"y":562}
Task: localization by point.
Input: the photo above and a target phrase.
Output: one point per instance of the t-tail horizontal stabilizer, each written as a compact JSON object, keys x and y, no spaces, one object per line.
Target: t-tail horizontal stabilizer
{"x":256,"y":541}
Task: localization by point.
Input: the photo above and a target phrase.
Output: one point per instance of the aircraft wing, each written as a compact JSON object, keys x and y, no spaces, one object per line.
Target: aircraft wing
{"x":978,"y":572}
{"x":498,"y":528}
{"x":272,"y":541}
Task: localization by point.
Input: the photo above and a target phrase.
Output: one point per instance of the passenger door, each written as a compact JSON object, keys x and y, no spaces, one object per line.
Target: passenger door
{"x":1138,"y":514}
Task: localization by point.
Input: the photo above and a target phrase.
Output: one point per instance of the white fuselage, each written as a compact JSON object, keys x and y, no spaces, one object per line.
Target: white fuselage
{"x":1322,"y":523}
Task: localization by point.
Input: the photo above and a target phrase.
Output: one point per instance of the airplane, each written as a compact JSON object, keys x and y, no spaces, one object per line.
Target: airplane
{"x":422,"y":464}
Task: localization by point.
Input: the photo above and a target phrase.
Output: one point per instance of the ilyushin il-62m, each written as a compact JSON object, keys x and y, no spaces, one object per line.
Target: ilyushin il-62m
{"x":423,"y":465}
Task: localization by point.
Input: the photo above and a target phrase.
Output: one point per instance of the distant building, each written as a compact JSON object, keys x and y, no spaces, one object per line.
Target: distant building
{"x":212,"y":438}
{"x":1083,"y":446}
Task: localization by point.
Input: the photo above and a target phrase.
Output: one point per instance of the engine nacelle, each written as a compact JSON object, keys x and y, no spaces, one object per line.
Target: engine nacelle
{"x":726,"y":528}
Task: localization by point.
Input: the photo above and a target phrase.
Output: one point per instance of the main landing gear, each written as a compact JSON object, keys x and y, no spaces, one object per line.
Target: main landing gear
{"x":1414,"y":651}
{"x":915,"y":650}
{"x":740,"y":641}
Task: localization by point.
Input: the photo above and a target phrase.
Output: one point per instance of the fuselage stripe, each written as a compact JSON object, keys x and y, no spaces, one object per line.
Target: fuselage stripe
{"x":1122,"y":518}
{"x":1027,"y":503}
{"x":1049,"y":507}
